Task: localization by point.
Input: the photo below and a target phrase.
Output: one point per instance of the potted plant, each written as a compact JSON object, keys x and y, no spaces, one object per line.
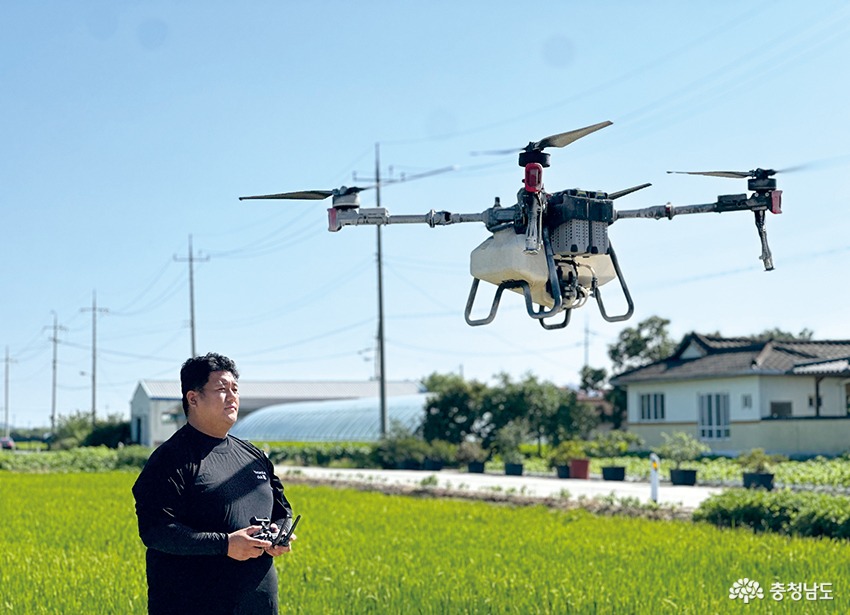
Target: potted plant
{"x":758,"y":468}
{"x":471,"y":454}
{"x":614,"y":444}
{"x":678,"y":448}
{"x":439,"y":453}
{"x":560,"y":458}
{"x":507,"y":442}
{"x":573,"y":454}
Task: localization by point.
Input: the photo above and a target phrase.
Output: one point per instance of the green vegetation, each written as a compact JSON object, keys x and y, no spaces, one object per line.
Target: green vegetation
{"x":371,"y":553}
{"x":785,"y":512}
{"x":85,"y":459}
{"x":681,"y":447}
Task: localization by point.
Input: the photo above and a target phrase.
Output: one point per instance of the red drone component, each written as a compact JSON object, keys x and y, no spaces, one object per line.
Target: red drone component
{"x":534,"y":177}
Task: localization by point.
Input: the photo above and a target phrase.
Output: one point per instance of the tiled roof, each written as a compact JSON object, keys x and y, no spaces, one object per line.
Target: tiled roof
{"x":720,"y":357}
{"x":833,"y":367}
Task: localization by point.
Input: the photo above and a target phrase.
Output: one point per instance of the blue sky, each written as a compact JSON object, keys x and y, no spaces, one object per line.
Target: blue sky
{"x":129,"y":126}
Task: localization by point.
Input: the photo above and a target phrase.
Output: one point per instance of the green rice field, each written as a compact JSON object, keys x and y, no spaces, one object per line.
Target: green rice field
{"x":69,"y":545}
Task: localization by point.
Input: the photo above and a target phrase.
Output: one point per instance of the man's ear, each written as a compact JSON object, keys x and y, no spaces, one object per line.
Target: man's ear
{"x":192,"y":398}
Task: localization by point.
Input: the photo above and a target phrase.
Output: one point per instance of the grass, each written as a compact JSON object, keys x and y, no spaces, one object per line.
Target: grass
{"x":70,"y":546}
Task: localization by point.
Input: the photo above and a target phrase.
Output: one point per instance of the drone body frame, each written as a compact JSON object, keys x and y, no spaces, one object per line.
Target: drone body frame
{"x":553,"y":248}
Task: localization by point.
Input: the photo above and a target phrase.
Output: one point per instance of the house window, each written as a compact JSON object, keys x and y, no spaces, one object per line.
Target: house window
{"x":714,"y":416}
{"x":747,"y":400}
{"x":652,"y":407}
{"x":780,"y":409}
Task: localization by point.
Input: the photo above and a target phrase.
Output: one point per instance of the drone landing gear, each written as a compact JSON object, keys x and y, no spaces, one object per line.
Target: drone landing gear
{"x":539,"y":314}
{"x":596,"y":293}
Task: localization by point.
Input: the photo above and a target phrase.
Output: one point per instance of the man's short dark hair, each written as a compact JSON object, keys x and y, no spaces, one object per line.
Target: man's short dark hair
{"x":196,"y":371}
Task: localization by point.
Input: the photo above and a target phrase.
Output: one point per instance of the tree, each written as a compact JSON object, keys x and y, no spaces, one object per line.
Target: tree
{"x":453,"y":412}
{"x":642,"y":344}
{"x":76,"y":430}
{"x":616,"y":396}
{"x":782,"y":336}
{"x":592,"y":378}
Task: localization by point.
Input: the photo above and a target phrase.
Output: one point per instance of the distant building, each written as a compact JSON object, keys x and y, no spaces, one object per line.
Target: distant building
{"x":735,"y":394}
{"x":156,"y":409}
{"x":335,"y":420}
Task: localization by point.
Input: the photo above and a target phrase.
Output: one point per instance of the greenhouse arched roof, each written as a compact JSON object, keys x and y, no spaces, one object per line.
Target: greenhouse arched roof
{"x":348,"y":420}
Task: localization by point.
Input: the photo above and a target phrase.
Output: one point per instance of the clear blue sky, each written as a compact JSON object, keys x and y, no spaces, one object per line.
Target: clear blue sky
{"x":128,"y":126}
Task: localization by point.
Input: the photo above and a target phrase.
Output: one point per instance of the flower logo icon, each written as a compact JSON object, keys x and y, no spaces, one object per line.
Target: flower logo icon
{"x":746,"y":590}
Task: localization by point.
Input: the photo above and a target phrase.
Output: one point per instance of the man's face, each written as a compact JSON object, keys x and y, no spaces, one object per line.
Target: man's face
{"x":213,"y":409}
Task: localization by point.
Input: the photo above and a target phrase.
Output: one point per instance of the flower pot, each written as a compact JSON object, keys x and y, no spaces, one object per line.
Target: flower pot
{"x":758,"y":480}
{"x":513,"y":469}
{"x":580,"y":468}
{"x":683,"y":477}
{"x":562,"y":471}
{"x":614,"y":473}
{"x":475,"y":467}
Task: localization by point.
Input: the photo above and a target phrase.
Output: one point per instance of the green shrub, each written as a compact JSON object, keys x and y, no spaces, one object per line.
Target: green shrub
{"x":470,"y":451}
{"x":680,"y":447}
{"x":441,"y":451}
{"x":756,"y":460}
{"x":785,"y":512}
{"x":614,"y":443}
{"x":337,"y":454}
{"x":132,"y":457}
{"x":566,"y":451}
{"x":507,"y":442}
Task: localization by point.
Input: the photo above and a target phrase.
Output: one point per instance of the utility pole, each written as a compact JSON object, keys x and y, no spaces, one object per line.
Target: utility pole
{"x":94,"y":312}
{"x":586,"y":342}
{"x":381,"y":364}
{"x":6,"y":394}
{"x":55,"y":340}
{"x":380,"y":359}
{"x":191,"y":260}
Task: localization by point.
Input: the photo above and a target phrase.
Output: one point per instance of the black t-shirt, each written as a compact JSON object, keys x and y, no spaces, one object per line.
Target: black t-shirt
{"x":193,"y":491}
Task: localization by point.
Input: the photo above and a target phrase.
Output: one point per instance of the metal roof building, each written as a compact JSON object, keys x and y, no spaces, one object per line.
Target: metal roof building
{"x":156,"y":409}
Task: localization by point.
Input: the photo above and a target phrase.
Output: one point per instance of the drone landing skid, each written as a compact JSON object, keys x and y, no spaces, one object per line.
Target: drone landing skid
{"x":540,"y":314}
{"x":524,"y":287}
{"x":631,"y":306}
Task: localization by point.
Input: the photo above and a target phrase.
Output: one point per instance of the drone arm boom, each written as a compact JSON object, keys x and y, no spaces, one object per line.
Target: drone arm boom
{"x":378,"y":216}
{"x":667,"y":211}
{"x":758,"y":203}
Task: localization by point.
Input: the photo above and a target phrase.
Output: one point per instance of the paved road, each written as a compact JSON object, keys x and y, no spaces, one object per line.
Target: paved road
{"x":538,"y":486}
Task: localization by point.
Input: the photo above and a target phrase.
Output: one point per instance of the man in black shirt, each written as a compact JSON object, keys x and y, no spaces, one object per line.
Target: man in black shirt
{"x":194,"y":501}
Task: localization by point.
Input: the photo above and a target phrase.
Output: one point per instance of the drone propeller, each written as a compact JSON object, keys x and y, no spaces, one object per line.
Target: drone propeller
{"x":560,"y":140}
{"x":813,"y":165}
{"x":310,"y":195}
{"x":617,"y":195}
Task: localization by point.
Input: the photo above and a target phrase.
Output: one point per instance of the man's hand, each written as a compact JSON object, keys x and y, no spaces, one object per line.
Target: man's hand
{"x":241,"y":545}
{"x":276,"y":550}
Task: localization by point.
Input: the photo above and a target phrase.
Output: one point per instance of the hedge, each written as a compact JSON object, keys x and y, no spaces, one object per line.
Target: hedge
{"x":784,"y":512}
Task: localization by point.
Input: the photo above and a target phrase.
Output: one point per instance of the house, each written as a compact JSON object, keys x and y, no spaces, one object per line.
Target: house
{"x":156,"y":408}
{"x":735,"y":394}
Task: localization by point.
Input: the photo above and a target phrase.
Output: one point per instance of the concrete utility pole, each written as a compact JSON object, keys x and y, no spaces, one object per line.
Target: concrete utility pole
{"x":191,"y":260}
{"x":6,"y":394}
{"x":94,"y":312}
{"x":55,"y":340}
{"x":381,"y":363}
